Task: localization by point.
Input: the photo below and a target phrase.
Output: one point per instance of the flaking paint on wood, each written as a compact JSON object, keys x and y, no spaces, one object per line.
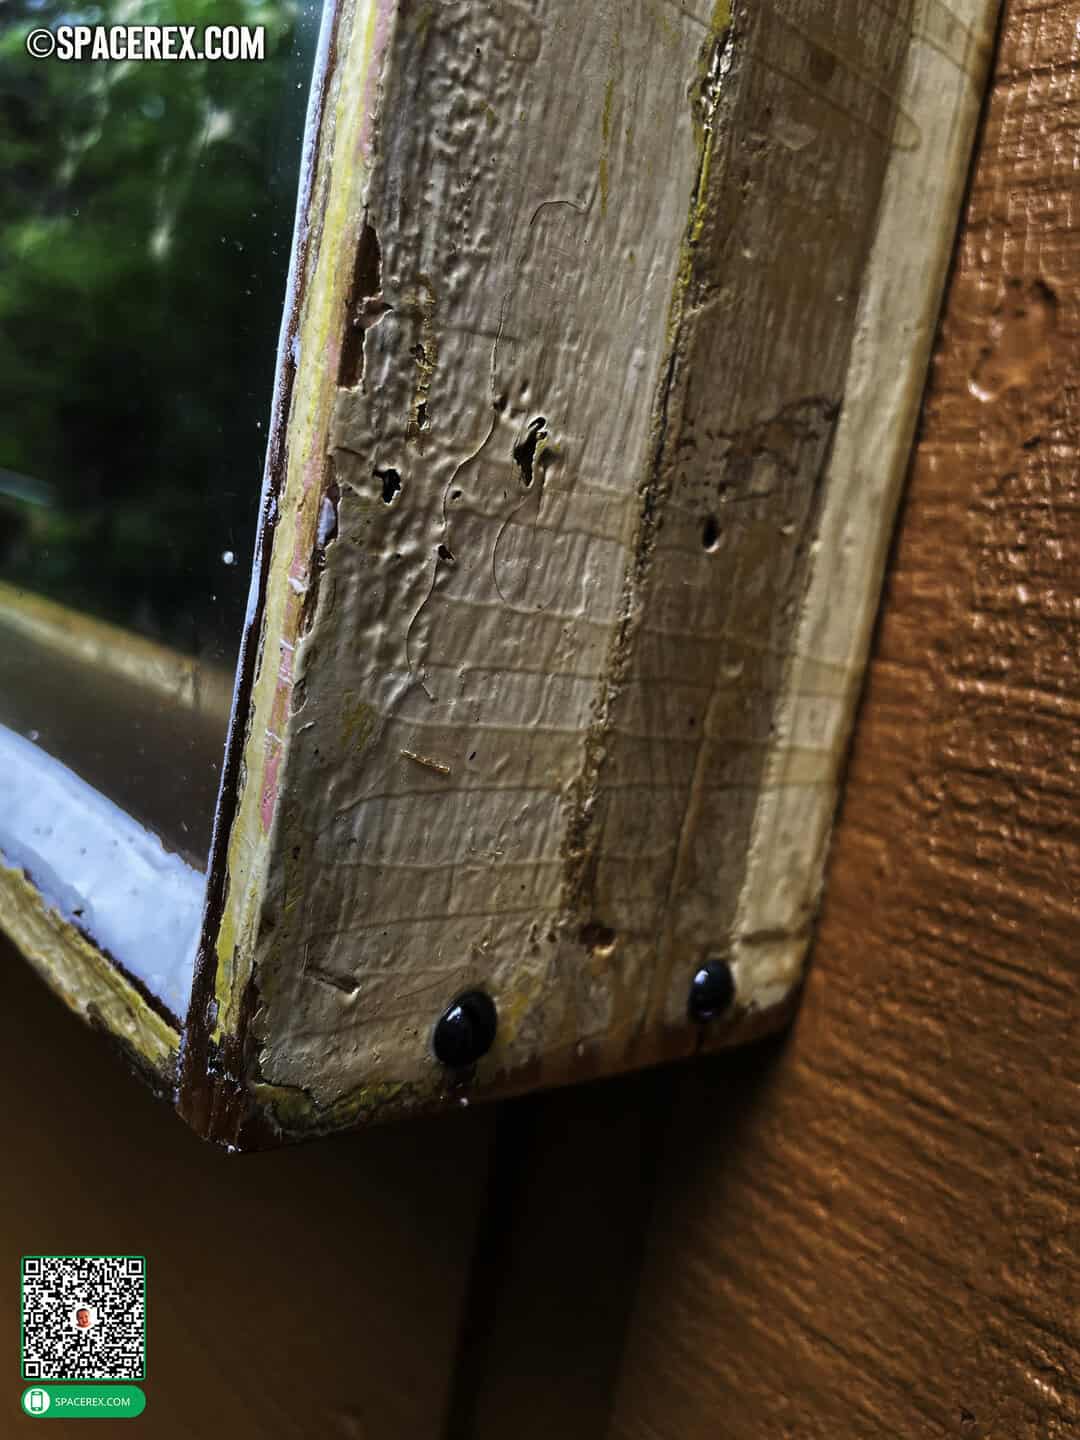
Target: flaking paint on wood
{"x":568,"y":437}
{"x":470,"y":615}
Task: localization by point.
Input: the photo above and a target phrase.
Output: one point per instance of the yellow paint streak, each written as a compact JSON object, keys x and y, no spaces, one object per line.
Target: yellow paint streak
{"x":83,"y":978}
{"x":705,"y":134}
{"x":426,"y":355}
{"x":605,"y":131}
{"x":514,"y":1007}
{"x":296,"y":1112}
{"x":180,"y":680}
{"x":357,"y":723}
{"x":427,"y":761}
{"x":343,"y":175}
{"x":422,"y":21}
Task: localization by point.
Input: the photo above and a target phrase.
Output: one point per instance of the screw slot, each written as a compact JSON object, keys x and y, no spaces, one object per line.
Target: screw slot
{"x":712,"y":991}
{"x":465,"y":1030}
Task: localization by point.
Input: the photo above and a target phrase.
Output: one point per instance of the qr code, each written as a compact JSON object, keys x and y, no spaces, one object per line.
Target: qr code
{"x":83,"y":1317}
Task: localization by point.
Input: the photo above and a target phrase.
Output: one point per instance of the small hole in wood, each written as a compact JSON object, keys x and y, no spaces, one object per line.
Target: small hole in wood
{"x":598,"y":938}
{"x":525,"y":451}
{"x":391,"y":484}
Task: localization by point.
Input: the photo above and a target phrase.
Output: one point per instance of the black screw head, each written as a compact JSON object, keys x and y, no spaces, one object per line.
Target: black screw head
{"x":711,"y":990}
{"x":465,"y":1030}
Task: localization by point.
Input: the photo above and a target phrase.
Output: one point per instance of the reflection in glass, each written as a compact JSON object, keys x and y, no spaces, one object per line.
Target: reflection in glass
{"x":146,"y":214}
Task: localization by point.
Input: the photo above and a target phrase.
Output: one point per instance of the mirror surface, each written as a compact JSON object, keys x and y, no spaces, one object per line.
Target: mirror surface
{"x":146,"y":218}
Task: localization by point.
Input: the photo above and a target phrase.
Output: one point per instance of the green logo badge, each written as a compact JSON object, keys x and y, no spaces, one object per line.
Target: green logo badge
{"x":73,"y":1402}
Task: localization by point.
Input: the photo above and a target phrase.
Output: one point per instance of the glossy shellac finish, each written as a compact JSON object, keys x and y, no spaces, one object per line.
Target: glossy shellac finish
{"x":711,"y":990}
{"x":466,"y":1030}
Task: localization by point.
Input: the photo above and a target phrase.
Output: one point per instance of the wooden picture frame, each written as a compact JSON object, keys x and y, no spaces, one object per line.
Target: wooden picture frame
{"x":606,"y":335}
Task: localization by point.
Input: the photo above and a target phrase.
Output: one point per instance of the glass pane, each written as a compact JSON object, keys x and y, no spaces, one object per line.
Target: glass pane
{"x":146,"y":216}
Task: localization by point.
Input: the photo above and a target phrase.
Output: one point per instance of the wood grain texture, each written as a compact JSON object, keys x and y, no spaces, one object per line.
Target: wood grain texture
{"x":877,"y":1232}
{"x":562,"y":479}
{"x":506,"y":286}
{"x":939,"y":94}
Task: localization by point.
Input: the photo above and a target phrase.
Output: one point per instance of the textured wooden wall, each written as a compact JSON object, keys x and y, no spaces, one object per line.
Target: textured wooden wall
{"x":876,"y":1231}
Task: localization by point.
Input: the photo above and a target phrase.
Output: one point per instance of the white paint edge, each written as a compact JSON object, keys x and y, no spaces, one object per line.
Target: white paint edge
{"x":100,"y":870}
{"x":895,"y":328}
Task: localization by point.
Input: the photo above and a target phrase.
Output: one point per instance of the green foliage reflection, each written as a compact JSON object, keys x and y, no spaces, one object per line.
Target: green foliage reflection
{"x":146,"y":212}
